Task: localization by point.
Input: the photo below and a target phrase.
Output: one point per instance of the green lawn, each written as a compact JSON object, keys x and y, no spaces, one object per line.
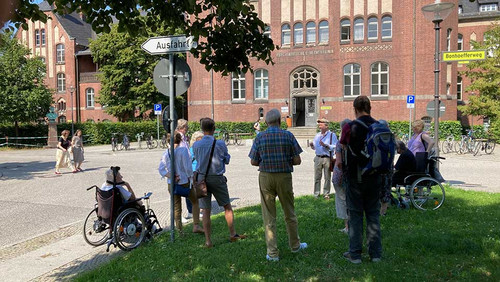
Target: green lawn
{"x":460,"y":241}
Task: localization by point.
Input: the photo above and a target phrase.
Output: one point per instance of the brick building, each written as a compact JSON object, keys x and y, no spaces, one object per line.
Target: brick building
{"x":63,"y":44}
{"x":334,"y":50}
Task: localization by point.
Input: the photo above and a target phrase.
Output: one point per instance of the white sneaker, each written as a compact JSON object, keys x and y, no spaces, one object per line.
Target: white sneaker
{"x":189,"y":216}
{"x":344,"y":230}
{"x":272,"y":259}
{"x":301,"y":247}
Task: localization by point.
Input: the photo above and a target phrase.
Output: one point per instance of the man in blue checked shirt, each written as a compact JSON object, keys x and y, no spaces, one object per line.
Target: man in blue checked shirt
{"x":275,"y":152}
{"x":324,"y":147}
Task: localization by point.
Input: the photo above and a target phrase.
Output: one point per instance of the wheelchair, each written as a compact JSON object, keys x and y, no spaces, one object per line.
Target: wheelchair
{"x":420,"y":188}
{"x":125,"y":224}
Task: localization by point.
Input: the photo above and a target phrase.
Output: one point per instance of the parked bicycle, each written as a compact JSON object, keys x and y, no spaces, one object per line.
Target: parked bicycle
{"x":114,"y":142}
{"x":486,"y":145}
{"x":125,"y":143}
{"x":151,"y":143}
{"x":447,"y":146}
{"x":466,"y":143}
{"x":164,"y":142}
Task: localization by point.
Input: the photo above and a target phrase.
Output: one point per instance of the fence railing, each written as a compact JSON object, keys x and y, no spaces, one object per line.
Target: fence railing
{"x":39,"y":142}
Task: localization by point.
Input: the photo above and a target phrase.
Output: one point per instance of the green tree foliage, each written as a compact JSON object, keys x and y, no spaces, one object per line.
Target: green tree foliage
{"x":485,"y":78}
{"x":23,"y":96}
{"x":126,"y":74}
{"x":228,"y":32}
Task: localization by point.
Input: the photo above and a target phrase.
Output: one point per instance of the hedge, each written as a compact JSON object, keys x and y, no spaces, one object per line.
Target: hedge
{"x":100,"y":133}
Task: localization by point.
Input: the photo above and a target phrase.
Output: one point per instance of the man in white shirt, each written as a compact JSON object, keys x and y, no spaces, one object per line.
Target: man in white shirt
{"x":324,"y":147}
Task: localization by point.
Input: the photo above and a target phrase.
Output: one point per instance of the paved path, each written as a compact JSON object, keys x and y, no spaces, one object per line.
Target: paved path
{"x":41,"y":215}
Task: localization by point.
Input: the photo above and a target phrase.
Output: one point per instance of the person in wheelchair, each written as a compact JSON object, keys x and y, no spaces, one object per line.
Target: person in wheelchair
{"x":405,"y":165}
{"x":115,"y":178}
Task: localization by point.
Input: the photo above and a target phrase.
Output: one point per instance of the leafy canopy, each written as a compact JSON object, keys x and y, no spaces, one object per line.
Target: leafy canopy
{"x":23,"y":95}
{"x":485,"y":78}
{"x":228,"y":32}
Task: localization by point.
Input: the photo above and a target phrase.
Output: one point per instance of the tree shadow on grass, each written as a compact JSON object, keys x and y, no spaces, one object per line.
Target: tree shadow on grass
{"x":460,"y":241}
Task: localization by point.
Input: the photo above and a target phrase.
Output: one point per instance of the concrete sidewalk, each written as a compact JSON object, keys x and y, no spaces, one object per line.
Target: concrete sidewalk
{"x":60,"y":253}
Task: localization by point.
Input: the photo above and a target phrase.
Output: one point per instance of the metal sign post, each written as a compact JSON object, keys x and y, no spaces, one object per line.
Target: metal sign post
{"x":157,"y":113}
{"x":172,"y":151}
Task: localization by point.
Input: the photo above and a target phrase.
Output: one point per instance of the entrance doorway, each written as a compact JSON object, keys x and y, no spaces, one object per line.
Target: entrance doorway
{"x":304,"y":111}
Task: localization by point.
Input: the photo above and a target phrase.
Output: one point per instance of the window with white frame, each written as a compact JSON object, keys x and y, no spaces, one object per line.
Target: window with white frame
{"x":459,"y":88}
{"x":323,"y":32}
{"x":488,"y":7}
{"x":261,"y":84}
{"x":37,"y":37}
{"x":306,"y":78}
{"x":380,"y":78}
{"x":460,"y":42}
{"x":311,"y":33}
{"x":387,"y":27}
{"x":352,"y":80}
{"x":448,"y":39}
{"x":238,"y":86}
{"x":359,"y":30}
{"x":285,"y":34}
{"x":345,"y":30}
{"x":60,"y":53}
{"x":61,"y":82}
{"x":43,"y":36}
{"x":298,"y":34}
{"x":460,"y":9}
{"x":372,"y":28}
{"x":90,"y":95}
{"x":267,"y":31}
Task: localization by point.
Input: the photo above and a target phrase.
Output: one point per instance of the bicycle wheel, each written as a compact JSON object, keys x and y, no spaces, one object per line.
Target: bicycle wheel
{"x":95,"y":231}
{"x":121,"y":146}
{"x":489,"y":146}
{"x":445,"y":147}
{"x":150,"y":145}
{"x":225,"y":137}
{"x":154,"y":143}
{"x":129,"y":229}
{"x":427,"y":193}
{"x":477,"y":147}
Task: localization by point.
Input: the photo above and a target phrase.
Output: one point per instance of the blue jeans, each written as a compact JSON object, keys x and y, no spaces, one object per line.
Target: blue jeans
{"x":363,"y":199}
{"x":189,"y":205}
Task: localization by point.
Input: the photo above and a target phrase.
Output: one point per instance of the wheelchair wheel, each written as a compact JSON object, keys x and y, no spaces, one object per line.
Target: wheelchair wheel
{"x":95,"y":231}
{"x":427,"y":193}
{"x":129,"y":229}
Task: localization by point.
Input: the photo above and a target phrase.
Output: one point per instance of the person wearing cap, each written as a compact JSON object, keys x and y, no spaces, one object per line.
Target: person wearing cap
{"x":323,"y":145}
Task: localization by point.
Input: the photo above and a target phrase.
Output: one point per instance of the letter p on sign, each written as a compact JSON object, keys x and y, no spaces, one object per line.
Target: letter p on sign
{"x":410,"y":101}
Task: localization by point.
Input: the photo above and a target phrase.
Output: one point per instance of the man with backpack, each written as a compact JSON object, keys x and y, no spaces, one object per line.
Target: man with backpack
{"x":370,"y":152}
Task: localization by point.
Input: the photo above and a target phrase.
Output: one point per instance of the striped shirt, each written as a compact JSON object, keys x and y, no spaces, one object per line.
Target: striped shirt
{"x":274,"y":150}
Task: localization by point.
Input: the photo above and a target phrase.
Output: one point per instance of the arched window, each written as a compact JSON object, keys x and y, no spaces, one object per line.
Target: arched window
{"x":387,"y":27}
{"x":345,"y":30}
{"x":306,"y":78}
{"x":238,"y":86}
{"x":448,"y":39}
{"x":60,"y":53}
{"x":298,"y":34}
{"x":459,"y":88}
{"x":359,"y":30}
{"x":62,"y":119}
{"x":352,"y":80}
{"x":90,"y":95}
{"x":261,"y":84}
{"x":380,"y":78}
{"x":61,"y":82}
{"x":323,"y":32}
{"x":61,"y":105}
{"x":285,"y":34}
{"x":310,"y":33}
{"x":372,"y":28}
{"x":460,"y":42}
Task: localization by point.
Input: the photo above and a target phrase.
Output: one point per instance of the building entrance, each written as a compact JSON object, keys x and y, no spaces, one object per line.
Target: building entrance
{"x":304,"y":86}
{"x":304,"y":111}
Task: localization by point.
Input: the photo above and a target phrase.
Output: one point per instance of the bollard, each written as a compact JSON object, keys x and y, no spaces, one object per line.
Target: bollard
{"x":307,"y":145}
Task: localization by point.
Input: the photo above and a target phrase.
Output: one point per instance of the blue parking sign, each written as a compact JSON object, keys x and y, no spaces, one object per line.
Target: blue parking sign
{"x":157,"y":109}
{"x":410,"y":99}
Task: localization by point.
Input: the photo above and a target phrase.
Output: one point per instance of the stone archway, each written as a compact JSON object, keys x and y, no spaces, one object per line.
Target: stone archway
{"x":304,"y":92}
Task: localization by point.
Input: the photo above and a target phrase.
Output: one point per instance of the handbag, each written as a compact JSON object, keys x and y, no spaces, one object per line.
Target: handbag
{"x":182,"y":190}
{"x":200,"y":187}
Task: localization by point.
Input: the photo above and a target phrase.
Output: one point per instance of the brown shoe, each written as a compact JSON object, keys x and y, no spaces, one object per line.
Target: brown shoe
{"x":198,"y":230}
{"x":237,"y":237}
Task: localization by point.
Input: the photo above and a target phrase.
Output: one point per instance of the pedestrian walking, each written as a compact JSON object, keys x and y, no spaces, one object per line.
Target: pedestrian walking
{"x":275,"y":152}
{"x":363,"y":191}
{"x":324,"y":147}
{"x":77,"y":143}
{"x":256,"y":127}
{"x":212,"y":156}
{"x":62,"y":153}
{"x":339,"y":184}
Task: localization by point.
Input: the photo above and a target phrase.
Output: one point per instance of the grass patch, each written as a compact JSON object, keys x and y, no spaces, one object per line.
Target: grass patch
{"x":460,"y":241}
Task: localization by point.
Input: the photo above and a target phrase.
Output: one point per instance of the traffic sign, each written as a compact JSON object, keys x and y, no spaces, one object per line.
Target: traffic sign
{"x":168,"y":44}
{"x":161,"y":76}
{"x":475,"y":55}
{"x":410,"y":101}
{"x":430,"y":108}
{"x":157,"y":109}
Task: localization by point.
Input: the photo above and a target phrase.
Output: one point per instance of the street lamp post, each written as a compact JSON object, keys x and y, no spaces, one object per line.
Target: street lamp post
{"x":437,"y":12}
{"x":71,"y":90}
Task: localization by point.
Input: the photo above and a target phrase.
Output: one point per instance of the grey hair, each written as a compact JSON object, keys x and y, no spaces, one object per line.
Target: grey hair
{"x":344,"y":122}
{"x":196,"y":135}
{"x":109,"y":175}
{"x":181,"y":123}
{"x":273,"y":116}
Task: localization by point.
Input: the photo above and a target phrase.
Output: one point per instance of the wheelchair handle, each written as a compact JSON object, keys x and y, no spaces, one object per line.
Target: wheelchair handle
{"x":93,"y":186}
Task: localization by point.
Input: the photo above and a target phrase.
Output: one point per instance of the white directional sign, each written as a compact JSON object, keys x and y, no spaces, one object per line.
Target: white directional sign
{"x":168,"y":44}
{"x":410,"y":101}
{"x":157,"y":109}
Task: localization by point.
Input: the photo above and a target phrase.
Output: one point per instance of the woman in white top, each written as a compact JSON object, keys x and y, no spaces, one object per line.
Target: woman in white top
{"x":183,"y":177}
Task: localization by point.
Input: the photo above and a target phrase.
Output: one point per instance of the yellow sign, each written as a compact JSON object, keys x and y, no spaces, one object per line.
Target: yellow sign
{"x":463,"y":62}
{"x":464,"y":56}
{"x":326,"y":107}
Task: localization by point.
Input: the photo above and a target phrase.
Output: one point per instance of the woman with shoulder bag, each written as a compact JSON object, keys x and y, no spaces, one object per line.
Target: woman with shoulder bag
{"x":182,"y":182}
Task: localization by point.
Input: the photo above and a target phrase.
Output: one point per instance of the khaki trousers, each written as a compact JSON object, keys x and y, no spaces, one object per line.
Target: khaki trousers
{"x":322,"y":166}
{"x":178,"y":208}
{"x":272,"y":185}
